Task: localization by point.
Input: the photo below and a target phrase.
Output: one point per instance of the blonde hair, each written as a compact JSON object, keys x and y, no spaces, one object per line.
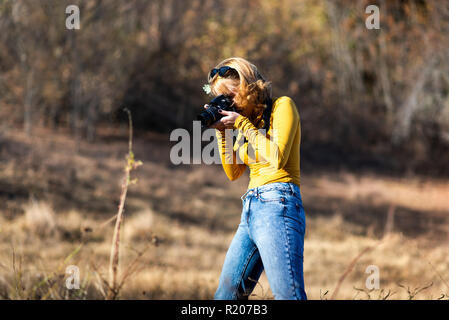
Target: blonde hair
{"x":249,"y":88}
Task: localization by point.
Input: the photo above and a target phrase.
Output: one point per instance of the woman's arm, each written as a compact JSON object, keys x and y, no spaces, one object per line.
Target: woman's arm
{"x":228,"y":156}
{"x":285,"y":123}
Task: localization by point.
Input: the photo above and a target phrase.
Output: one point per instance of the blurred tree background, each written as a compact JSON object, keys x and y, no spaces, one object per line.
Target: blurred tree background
{"x":367,"y":98}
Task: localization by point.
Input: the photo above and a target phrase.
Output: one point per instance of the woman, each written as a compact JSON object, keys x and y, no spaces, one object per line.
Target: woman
{"x":270,"y":235}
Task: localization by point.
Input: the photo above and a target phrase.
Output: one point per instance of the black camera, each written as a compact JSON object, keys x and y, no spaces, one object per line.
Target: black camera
{"x":211,"y":114}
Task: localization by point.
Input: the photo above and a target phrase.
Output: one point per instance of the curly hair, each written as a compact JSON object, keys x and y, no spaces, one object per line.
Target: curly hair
{"x":248,"y":87}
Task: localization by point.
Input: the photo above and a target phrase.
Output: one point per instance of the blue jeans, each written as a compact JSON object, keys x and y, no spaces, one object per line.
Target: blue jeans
{"x":270,"y":236}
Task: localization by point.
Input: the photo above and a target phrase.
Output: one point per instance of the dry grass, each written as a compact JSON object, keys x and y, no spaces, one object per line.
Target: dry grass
{"x":55,"y":200}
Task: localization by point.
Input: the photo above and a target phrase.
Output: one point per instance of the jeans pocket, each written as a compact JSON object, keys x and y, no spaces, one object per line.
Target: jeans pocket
{"x":272,"y":196}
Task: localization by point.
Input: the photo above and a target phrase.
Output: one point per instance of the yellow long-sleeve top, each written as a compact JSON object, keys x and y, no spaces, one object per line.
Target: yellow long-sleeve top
{"x":273,"y":157}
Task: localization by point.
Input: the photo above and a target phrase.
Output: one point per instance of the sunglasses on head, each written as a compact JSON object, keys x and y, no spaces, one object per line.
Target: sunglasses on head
{"x":222,"y":72}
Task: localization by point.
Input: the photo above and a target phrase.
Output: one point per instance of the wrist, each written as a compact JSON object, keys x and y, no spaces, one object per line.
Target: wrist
{"x":220,"y":131}
{"x":238,"y":121}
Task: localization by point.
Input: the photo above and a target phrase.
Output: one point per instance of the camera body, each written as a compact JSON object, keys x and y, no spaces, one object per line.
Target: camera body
{"x":211,"y":114}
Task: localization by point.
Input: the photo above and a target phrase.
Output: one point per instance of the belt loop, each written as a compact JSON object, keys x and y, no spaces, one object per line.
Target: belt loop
{"x":244,"y":195}
{"x":292,"y":188}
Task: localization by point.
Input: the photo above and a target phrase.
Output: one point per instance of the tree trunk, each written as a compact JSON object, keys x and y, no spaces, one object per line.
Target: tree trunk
{"x":28,"y":102}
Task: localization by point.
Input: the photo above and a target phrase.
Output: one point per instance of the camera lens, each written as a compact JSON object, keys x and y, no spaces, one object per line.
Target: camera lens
{"x":209,"y":116}
{"x":203,"y":118}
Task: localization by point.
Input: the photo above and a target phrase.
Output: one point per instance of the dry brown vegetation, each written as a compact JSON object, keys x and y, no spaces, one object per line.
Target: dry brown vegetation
{"x":55,"y":199}
{"x":377,"y":98}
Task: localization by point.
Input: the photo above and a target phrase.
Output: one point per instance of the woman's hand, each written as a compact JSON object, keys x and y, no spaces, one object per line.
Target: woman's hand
{"x":229,"y":118}
{"x":227,"y":122}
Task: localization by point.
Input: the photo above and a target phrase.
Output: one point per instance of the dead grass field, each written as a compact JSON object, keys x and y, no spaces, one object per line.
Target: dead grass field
{"x":57,"y":194}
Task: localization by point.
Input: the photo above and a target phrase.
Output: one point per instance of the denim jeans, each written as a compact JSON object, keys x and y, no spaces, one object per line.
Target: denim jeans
{"x":270,"y":237}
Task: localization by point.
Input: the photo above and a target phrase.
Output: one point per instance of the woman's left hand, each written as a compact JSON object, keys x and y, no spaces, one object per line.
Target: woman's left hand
{"x":229,"y":118}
